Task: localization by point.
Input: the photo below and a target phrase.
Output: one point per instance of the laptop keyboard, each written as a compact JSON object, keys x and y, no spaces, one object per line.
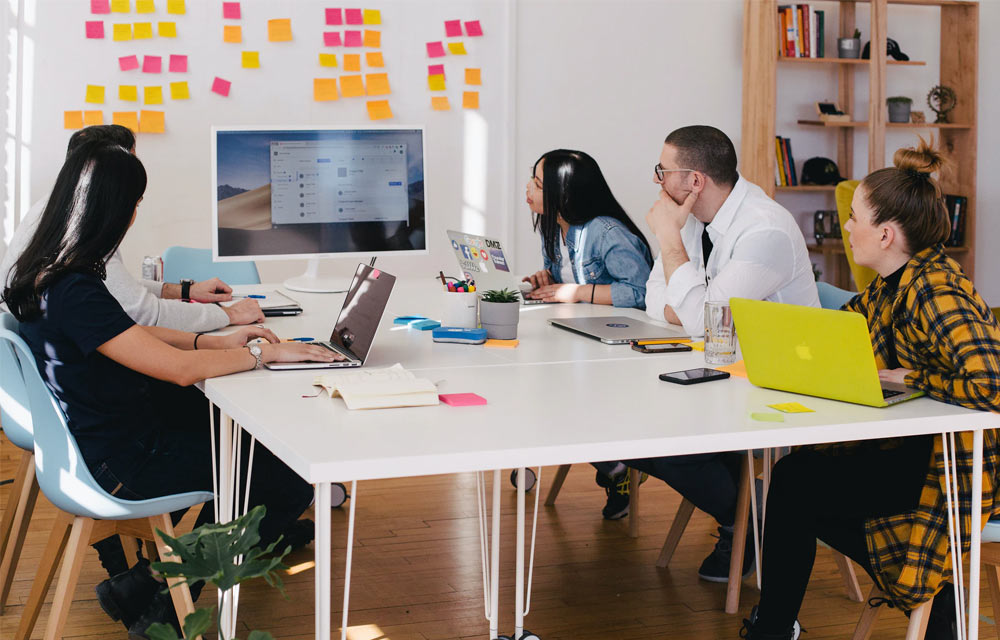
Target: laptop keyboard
{"x":887,"y":393}
{"x":328,"y":347}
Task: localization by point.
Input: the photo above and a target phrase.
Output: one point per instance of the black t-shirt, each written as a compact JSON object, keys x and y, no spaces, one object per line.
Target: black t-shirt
{"x":107,"y":405}
{"x":891,"y":284}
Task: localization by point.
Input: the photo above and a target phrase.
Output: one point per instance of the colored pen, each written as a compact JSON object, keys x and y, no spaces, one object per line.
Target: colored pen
{"x":664,"y":341}
{"x":250,"y":295}
{"x":298,"y":339}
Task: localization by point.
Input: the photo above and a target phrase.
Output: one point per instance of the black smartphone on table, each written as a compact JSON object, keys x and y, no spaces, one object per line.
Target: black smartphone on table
{"x":694,"y":376}
{"x":670,"y":347}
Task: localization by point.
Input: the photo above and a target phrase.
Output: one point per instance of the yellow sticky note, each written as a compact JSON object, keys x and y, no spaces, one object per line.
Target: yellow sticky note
{"x":176,"y":7}
{"x":501,"y":344}
{"x":128,"y":92}
{"x":373,"y":39}
{"x":279,"y":30}
{"x":251,"y":59}
{"x":762,"y":416}
{"x":435,"y":82}
{"x":377,"y":84}
{"x":328,"y":60}
{"x":93,"y":118}
{"x":145,"y":6}
{"x":143,"y":31}
{"x":473,"y":76}
{"x":698,"y":346}
{"x":456,"y":48}
{"x":152,"y":95}
{"x":127,"y":119}
{"x":738,"y":369}
{"x":372,"y":16}
{"x":440,"y":103}
{"x":470,"y":99}
{"x":179,"y":91}
{"x":352,"y":86}
{"x":167,"y":29}
{"x":791,"y":407}
{"x":72,"y":120}
{"x":352,"y":62}
{"x":374,"y":59}
{"x":379,"y":110}
{"x":121,"y":32}
{"x":151,"y":122}
{"x":325,"y":89}
{"x":232,"y":33}
{"x":95,"y":94}
{"x":120,"y":6}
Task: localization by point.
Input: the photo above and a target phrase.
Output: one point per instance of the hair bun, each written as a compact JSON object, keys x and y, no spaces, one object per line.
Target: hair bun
{"x":920,"y":161}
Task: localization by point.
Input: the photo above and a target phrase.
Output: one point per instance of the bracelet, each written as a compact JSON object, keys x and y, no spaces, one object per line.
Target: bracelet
{"x":196,"y":336}
{"x":593,"y":288}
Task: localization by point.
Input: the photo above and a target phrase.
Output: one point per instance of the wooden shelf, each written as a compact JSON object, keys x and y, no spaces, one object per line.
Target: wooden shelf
{"x":891,"y":125}
{"x":809,"y":188}
{"x":836,"y":247}
{"x":859,"y":61}
{"x":833,"y":123}
{"x":926,"y":3}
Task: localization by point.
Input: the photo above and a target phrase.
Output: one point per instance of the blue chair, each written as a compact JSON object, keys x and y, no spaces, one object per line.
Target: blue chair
{"x":87,"y":512}
{"x":831,"y":297}
{"x":186,"y":262}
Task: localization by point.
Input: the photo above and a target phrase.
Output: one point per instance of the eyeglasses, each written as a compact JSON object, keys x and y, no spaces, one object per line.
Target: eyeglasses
{"x":534,"y":178}
{"x":660,"y":171}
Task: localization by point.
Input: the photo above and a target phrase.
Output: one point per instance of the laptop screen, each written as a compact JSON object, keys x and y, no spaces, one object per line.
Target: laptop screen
{"x":362,"y":311}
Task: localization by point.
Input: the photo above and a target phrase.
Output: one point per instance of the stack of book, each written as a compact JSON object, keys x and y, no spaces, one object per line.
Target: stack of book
{"x":956,"y":206}
{"x":800,"y":31}
{"x":784,"y":168}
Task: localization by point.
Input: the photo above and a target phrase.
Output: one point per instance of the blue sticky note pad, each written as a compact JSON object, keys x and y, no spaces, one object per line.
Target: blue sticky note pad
{"x":459,"y":335}
{"x":425,"y":325}
{"x":407,"y":319}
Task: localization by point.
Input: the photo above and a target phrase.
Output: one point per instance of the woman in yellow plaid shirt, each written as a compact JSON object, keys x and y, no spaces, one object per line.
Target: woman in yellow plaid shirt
{"x":881,"y":502}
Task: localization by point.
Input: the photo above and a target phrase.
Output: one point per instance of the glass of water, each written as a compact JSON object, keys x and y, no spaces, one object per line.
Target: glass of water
{"x":720,"y":335}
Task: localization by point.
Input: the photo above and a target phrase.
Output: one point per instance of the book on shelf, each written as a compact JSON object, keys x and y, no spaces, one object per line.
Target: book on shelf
{"x":800,"y":31}
{"x":785,"y":175}
{"x":956,"y":206}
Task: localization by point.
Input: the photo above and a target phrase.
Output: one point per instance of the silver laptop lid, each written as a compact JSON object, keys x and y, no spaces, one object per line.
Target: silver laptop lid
{"x":617,"y":329}
{"x":362,"y":311}
{"x":482,"y":259}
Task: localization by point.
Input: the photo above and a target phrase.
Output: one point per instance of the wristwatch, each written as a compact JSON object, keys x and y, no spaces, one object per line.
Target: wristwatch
{"x":186,"y":288}
{"x":255,"y":352}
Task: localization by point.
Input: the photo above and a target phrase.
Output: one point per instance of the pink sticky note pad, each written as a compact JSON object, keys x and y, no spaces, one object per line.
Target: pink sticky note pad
{"x":332,"y":39}
{"x":473,"y":28}
{"x":376,"y":273}
{"x":435,"y":69}
{"x":127,"y":63}
{"x":178,"y":64}
{"x":152,"y":64}
{"x":435,"y":50}
{"x":100,"y":6}
{"x":231,"y":10}
{"x":453,"y":28}
{"x":221,"y":86}
{"x":352,"y":38}
{"x":334,"y":16}
{"x":354,"y":16}
{"x":462,"y":399}
{"x":95,"y":29}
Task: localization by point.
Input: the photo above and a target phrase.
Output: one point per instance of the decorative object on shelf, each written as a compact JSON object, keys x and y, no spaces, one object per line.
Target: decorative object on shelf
{"x":941,"y":100}
{"x":917,"y":117}
{"x":826,"y":224}
{"x":830,"y":112}
{"x":499,"y":311}
{"x":850,"y":47}
{"x":822,"y":171}
{"x":891,"y":48}
{"x":899,"y":108}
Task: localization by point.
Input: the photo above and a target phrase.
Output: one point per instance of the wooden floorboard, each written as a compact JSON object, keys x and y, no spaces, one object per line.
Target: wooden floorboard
{"x":417,"y":572}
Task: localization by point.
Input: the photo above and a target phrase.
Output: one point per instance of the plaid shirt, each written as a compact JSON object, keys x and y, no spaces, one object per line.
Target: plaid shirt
{"x":944,"y":331}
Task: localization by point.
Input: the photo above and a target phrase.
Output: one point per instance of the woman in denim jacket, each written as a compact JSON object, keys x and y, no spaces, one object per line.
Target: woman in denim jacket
{"x":587,"y":238}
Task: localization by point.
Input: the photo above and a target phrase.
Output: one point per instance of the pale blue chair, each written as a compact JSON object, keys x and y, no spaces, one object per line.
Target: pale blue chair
{"x":87,"y":512}
{"x":831,"y":297}
{"x":196,"y":264}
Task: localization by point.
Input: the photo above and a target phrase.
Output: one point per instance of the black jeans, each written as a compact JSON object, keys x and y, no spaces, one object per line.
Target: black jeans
{"x":816,"y":495}
{"x":710,"y":480}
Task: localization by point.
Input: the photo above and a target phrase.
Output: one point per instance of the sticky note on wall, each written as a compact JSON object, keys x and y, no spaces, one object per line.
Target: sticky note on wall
{"x":374,"y":59}
{"x":72,"y":120}
{"x":352,"y":86}
{"x":372,"y":16}
{"x":352,"y":39}
{"x":152,"y":64}
{"x":473,"y":76}
{"x":151,"y":122}
{"x":332,"y":39}
{"x":128,"y":92}
{"x":179,"y":91}
{"x":128,"y":63}
{"x":221,"y":86}
{"x":453,"y":28}
{"x":95,"y":94}
{"x":379,"y":110}
{"x":435,"y":69}
{"x":95,"y":30}
{"x":145,"y":6}
{"x":152,"y":95}
{"x":121,"y":32}
{"x":435,"y":50}
{"x":470,"y":99}
{"x":232,"y":33}
{"x":435,"y":83}
{"x":373,"y":38}
{"x":325,"y":89}
{"x":456,"y":48}
{"x":93,"y":118}
{"x":176,"y":7}
{"x":127,"y":119}
{"x":231,"y":10}
{"x":142,"y":30}
{"x":354,"y":16}
{"x":334,"y":17}
{"x":167,"y":29}
{"x":99,"y":6}
{"x":279,"y":30}
{"x":178,"y":64}
{"x":352,"y":62}
{"x":251,"y":59}
{"x":328,"y":59}
{"x":440,"y":103}
{"x":120,"y":6}
{"x":377,"y":84}
{"x":473,"y":28}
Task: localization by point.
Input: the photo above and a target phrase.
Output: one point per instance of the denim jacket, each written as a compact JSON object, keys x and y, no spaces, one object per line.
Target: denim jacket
{"x":603,"y":251}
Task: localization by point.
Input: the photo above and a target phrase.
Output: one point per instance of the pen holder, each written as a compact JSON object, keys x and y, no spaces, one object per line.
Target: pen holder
{"x":460,"y":310}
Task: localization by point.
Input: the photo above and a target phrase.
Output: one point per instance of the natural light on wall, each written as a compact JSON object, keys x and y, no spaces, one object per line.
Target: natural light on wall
{"x":474,"y":173}
{"x":19,"y":51}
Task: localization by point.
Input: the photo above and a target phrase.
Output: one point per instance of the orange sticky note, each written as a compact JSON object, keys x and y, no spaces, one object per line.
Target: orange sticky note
{"x":179,"y":91}
{"x":352,"y":86}
{"x":145,"y":6}
{"x":456,"y":48}
{"x":279,"y":30}
{"x":352,"y":62}
{"x":470,"y":99}
{"x":738,"y":369}
{"x":435,"y":82}
{"x":176,"y":7}
{"x":440,"y":103}
{"x":328,"y":60}
{"x":128,"y":92}
{"x":152,"y":95}
{"x":251,"y":59}
{"x":72,"y":120}
{"x":151,"y":122}
{"x":379,"y":110}
{"x":232,"y":33}
{"x":127,"y":119}
{"x":325,"y":89}
{"x":377,"y":84}
{"x":143,"y":31}
{"x":121,"y":32}
{"x":373,"y":39}
{"x":95,"y":94}
{"x":374,"y":59}
{"x":473,"y":76}
{"x":167,"y":29}
{"x":93,"y":118}
{"x":372,"y":16}
{"x":120,"y":6}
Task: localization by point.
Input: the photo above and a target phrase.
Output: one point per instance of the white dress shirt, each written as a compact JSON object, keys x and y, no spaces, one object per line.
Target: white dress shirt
{"x":758,"y":253}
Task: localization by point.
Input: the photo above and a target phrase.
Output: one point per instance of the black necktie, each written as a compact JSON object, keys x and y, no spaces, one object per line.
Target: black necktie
{"x":706,"y":245}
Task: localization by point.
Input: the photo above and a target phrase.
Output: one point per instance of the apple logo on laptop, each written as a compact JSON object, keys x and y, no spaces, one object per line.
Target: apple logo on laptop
{"x":803,"y":352}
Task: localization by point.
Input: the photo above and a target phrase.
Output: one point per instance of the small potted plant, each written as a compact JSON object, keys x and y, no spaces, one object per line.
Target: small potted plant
{"x":899,"y":108}
{"x":499,"y":311}
{"x":850,"y":47}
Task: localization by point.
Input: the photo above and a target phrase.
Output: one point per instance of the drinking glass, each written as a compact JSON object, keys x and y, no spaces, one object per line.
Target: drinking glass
{"x":720,"y":335}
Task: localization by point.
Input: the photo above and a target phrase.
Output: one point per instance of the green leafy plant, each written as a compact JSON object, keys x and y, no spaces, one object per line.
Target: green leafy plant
{"x":210,"y":553}
{"x":501,"y":295}
{"x":899,"y":99}
{"x":857,"y":34}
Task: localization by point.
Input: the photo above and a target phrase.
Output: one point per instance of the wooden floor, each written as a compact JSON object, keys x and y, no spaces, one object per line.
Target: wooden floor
{"x":417,"y":573}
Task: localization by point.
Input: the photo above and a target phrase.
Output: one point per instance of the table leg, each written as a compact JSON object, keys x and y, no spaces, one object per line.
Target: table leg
{"x":495,"y":559}
{"x":323,"y":558}
{"x":224,"y":512}
{"x":977,"y":532}
{"x":350,"y":554}
{"x":519,"y":558}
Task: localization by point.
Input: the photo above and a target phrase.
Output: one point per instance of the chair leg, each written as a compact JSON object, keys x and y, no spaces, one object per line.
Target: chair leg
{"x":919,"y":617}
{"x":868,"y":617}
{"x":633,"y":503}
{"x":43,"y":577}
{"x":848,"y":574}
{"x":131,"y":548}
{"x":739,"y":540}
{"x":181,"y":596}
{"x":76,"y":549}
{"x":557,"y":483}
{"x":992,"y":572}
{"x":150,"y":548}
{"x":680,"y":523}
{"x":25,"y":492}
{"x":7,"y":520}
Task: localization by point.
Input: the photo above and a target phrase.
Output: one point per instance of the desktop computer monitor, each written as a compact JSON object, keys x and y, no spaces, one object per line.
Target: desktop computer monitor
{"x":317,"y":192}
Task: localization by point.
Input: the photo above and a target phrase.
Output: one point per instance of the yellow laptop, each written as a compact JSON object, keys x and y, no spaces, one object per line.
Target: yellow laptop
{"x":817,"y":352}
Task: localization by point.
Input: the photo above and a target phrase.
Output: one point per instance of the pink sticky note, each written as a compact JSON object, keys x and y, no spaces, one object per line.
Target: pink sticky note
{"x":152,"y":64}
{"x":231,"y":10}
{"x":178,"y":64}
{"x":334,"y":16}
{"x":221,"y":86}
{"x":473,"y":28}
{"x":127,"y":63}
{"x":435,"y":50}
{"x":352,"y":38}
{"x":100,"y":6}
{"x":332,"y":39}
{"x":462,"y":399}
{"x":453,"y":28}
{"x":435,"y":69}
{"x":95,"y":29}
{"x":354,"y":16}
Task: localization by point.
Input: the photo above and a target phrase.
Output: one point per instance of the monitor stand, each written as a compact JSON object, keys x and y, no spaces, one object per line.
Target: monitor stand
{"x":311,"y":282}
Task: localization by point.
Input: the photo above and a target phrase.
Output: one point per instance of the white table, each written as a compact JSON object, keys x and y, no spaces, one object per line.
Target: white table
{"x":551,"y":401}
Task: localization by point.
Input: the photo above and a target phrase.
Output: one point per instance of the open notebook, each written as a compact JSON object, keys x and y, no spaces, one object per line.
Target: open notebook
{"x":379,"y":388}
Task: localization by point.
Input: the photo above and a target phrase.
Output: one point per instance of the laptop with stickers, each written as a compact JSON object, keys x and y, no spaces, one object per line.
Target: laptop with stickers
{"x":484,"y":260}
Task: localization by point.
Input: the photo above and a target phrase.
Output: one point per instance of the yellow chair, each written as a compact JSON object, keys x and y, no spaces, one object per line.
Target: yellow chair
{"x":844,"y":194}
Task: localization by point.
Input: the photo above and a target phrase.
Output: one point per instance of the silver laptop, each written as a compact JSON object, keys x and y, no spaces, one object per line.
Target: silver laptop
{"x":617,"y":329}
{"x":357,"y":323}
{"x":483,"y":260}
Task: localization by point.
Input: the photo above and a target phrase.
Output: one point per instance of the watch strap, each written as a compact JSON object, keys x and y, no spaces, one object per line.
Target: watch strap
{"x":186,"y":289}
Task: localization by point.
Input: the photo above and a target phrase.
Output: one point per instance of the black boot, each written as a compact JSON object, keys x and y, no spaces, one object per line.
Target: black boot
{"x":125,"y":596}
{"x":161,"y":609}
{"x":750,"y":633}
